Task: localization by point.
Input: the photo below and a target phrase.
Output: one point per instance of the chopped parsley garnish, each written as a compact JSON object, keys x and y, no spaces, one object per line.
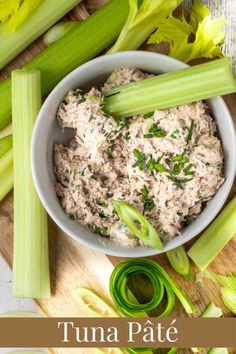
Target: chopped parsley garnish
{"x":94,"y":176}
{"x":103,"y":215}
{"x":175,"y":134}
{"x":187,"y":170}
{"x":148,"y":115}
{"x":110,"y":194}
{"x":155,"y":131}
{"x":71,"y":216}
{"x":100,"y":230}
{"x":127,"y":136}
{"x":179,"y":181}
{"x":148,"y":202}
{"x":179,"y":158}
{"x":141,"y":158}
{"x":190,"y":131}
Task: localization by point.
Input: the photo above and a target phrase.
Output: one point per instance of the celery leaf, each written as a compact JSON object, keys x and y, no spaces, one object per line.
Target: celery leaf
{"x":177,"y":32}
{"x":26,"y":8}
{"x":7,"y":8}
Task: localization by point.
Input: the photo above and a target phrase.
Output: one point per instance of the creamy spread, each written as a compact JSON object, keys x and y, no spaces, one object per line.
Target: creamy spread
{"x":167,"y":164}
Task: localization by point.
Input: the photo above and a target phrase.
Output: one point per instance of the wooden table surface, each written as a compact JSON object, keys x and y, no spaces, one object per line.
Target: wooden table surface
{"x":73,"y":265}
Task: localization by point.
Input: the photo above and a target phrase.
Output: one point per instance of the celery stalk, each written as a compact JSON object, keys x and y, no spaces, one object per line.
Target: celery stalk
{"x":215,"y":237}
{"x":142,"y":21}
{"x":85,"y":41}
{"x":30,"y":258}
{"x":218,"y":351}
{"x":47,"y":13}
{"x":178,"y":259}
{"x":6,"y":174}
{"x":172,"y":89}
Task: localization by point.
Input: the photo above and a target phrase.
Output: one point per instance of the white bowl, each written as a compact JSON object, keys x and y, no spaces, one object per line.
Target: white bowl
{"x":47,"y":132}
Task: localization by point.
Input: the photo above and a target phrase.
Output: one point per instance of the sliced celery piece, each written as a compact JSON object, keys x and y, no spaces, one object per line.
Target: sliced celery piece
{"x":30,"y":258}
{"x":229,"y":299}
{"x":144,"y":231}
{"x":6,"y":174}
{"x":212,"y":311}
{"x":47,"y":13}
{"x":58,"y":31}
{"x":218,"y":351}
{"x":85,"y":41}
{"x":172,"y":89}
{"x":178,"y":258}
{"x":95,"y":306}
{"x":215,"y":237}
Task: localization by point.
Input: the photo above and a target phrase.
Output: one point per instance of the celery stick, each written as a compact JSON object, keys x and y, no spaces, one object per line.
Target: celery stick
{"x":46,"y":14}
{"x":85,"y":41}
{"x":215,"y":237}
{"x":172,"y":89}
{"x":30,"y":258}
{"x":218,"y":351}
{"x":6,"y":174}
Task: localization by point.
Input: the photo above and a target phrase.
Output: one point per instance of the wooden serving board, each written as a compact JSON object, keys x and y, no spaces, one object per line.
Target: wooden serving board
{"x":73,"y":265}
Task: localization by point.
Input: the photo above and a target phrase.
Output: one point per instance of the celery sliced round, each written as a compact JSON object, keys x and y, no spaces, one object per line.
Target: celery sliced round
{"x":138,"y":224}
{"x":179,"y":260}
{"x":229,"y":299}
{"x":93,"y":304}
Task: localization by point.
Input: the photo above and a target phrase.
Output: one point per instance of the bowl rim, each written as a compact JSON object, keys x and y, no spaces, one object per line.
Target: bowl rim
{"x":127,"y":252}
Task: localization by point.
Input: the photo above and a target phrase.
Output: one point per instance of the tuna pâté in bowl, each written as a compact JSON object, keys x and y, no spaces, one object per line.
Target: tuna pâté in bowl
{"x":107,"y":182}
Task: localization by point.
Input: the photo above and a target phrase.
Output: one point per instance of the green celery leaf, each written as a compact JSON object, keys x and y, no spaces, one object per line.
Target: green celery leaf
{"x":198,"y":13}
{"x":7,"y":8}
{"x":24,"y":11}
{"x":208,"y":32}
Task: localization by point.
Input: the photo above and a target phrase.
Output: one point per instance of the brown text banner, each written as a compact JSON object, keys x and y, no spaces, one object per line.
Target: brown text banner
{"x":117,"y":332}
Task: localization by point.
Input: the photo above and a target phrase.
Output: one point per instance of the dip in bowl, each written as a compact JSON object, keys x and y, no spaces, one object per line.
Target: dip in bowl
{"x":52,"y":147}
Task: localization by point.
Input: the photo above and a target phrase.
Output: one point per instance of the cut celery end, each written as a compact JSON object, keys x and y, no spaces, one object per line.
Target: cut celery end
{"x":58,"y":31}
{"x":6,"y":174}
{"x":47,"y":13}
{"x":85,"y":41}
{"x":215,"y":237}
{"x":212,"y":311}
{"x":183,"y":86}
{"x":5,"y":145}
{"x":30,"y":256}
{"x":218,"y":351}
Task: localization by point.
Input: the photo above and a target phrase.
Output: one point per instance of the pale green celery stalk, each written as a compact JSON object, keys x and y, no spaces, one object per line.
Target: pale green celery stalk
{"x":6,"y":174}
{"x":215,"y":237}
{"x":172,"y":89}
{"x":30,"y":257}
{"x":46,"y":14}
{"x":85,"y":41}
{"x":58,"y":31}
{"x":179,"y":261}
{"x":218,"y":351}
{"x":141,"y":22}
